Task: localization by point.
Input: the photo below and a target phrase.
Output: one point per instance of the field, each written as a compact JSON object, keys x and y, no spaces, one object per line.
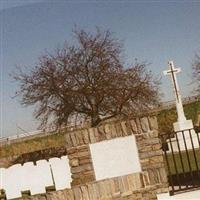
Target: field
{"x":185,"y":161}
{"x":56,"y":140}
{"x":166,"y":118}
{"x":165,"y":121}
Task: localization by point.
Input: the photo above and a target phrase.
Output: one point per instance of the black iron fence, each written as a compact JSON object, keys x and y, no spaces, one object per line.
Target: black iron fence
{"x":182,"y":157}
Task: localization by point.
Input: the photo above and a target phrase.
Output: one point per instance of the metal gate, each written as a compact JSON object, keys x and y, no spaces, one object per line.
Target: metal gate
{"x":182,"y":158}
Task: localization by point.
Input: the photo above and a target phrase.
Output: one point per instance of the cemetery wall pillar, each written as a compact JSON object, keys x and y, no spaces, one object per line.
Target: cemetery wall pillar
{"x":81,"y":165}
{"x":151,"y":158}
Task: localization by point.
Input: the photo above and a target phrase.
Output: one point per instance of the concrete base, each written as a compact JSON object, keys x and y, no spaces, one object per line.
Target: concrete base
{"x":194,"y":195}
{"x":179,"y":128}
{"x":183,"y":125}
{"x":182,"y":143}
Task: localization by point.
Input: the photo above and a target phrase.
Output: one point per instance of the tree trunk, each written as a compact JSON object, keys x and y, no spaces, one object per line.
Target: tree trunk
{"x":95,"y":120}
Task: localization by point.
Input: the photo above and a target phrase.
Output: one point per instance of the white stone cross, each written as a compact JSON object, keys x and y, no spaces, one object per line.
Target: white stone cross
{"x":182,"y":122}
{"x":172,"y":72}
{"x":182,"y":126}
{"x":179,"y":106}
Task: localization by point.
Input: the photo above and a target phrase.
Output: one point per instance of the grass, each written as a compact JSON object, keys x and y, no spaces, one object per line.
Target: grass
{"x":166,"y":118}
{"x":165,"y":121}
{"x":55,"y":140}
{"x":185,"y":161}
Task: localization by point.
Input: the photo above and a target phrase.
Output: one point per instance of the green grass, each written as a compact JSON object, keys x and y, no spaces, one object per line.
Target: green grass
{"x":166,"y":118}
{"x":165,"y":121}
{"x":55,"y":140}
{"x":185,"y":161}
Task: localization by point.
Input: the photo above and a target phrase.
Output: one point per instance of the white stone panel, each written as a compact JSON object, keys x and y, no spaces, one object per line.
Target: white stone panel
{"x":181,"y":142}
{"x":45,"y":174}
{"x":191,"y":195}
{"x":12,"y":184}
{"x":116,"y":157}
{"x":39,"y":177}
{"x":65,"y":161}
{"x":26,"y":175}
{"x":35,"y":176}
{"x":61,"y":172}
{"x":2,"y":177}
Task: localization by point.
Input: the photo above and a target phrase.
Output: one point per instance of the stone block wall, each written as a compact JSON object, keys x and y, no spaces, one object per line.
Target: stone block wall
{"x":110,"y":131}
{"x":151,"y":157}
{"x":81,"y":165}
{"x":138,"y":186}
{"x":44,"y":145}
{"x":132,"y":186}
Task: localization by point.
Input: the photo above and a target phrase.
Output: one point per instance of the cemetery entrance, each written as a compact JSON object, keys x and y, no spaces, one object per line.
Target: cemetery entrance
{"x":182,"y":159}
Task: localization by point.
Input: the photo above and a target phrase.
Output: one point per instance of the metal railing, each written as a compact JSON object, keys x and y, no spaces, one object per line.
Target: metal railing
{"x":170,"y":104}
{"x":22,"y":135}
{"x":38,"y":133}
{"x":182,"y":159}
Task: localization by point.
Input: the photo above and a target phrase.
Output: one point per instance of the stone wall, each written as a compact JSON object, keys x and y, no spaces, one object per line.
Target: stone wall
{"x":15,"y":152}
{"x":133,"y":186}
{"x":110,"y":131}
{"x":138,"y":186}
{"x":81,"y":165}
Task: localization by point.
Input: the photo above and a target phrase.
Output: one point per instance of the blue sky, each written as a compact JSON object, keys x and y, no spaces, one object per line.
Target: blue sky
{"x":155,"y":31}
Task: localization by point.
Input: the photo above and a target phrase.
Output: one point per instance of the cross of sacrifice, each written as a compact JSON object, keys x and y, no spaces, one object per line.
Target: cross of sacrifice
{"x":172,"y":72}
{"x":179,"y":106}
{"x":182,"y":123}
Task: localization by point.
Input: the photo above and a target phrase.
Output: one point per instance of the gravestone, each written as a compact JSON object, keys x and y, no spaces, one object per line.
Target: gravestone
{"x":61,"y":172}
{"x":45,"y":175}
{"x":2,"y":178}
{"x":12,"y":184}
{"x":35,"y":178}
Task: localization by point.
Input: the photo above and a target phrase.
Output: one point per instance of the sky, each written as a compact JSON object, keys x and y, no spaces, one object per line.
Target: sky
{"x":152,"y":31}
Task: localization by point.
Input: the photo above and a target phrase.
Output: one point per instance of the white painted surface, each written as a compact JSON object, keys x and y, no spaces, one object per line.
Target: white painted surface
{"x":2,"y":177}
{"x":67,"y":170}
{"x":116,"y":157}
{"x":26,"y":179}
{"x":181,"y":142}
{"x":61,"y":172}
{"x":46,"y":175}
{"x":194,"y":195}
{"x":12,"y":182}
{"x":179,"y":106}
{"x":35,"y":178}
{"x":182,"y":123}
{"x":36,"y":186}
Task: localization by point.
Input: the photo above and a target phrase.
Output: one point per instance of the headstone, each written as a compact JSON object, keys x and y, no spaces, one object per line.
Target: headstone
{"x":2,"y":178}
{"x":45,"y":174}
{"x":12,"y":184}
{"x":61,"y":172}
{"x":26,"y":175}
{"x":35,"y":176}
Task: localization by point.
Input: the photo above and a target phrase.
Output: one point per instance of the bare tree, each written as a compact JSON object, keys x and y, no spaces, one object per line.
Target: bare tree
{"x":196,"y":72}
{"x":88,"y":80}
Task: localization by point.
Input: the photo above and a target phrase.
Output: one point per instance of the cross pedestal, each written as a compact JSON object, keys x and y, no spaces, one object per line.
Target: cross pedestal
{"x":183,"y":125}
